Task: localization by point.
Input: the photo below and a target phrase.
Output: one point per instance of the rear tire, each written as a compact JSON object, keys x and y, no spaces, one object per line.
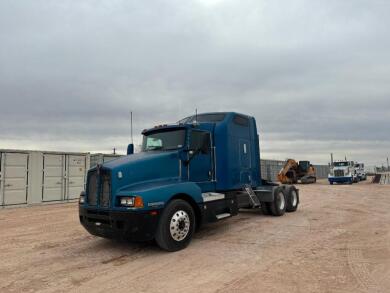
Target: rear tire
{"x":278,"y":206}
{"x":176,"y":226}
{"x":292,"y":199}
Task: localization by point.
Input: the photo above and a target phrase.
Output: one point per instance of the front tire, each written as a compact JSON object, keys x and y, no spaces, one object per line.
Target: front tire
{"x":176,"y":226}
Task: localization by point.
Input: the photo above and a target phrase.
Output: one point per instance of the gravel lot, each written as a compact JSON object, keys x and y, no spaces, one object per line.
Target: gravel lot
{"x":338,"y":241}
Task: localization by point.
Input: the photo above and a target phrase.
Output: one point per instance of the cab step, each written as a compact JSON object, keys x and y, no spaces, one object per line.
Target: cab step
{"x":223,"y":216}
{"x":252,"y":196}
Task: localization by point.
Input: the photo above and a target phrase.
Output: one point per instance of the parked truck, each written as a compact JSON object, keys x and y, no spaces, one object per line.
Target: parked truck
{"x":203,"y":169}
{"x":342,"y":172}
{"x":360,"y":172}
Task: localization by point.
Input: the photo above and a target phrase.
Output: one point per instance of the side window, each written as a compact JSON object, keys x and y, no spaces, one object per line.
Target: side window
{"x":241,"y":120}
{"x":200,"y":141}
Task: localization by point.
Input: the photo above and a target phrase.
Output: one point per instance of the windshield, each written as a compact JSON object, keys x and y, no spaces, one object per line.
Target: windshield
{"x":341,"y":164}
{"x":163,"y":140}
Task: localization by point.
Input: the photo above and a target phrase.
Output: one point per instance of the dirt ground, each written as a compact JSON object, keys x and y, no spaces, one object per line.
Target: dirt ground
{"x":338,"y":241}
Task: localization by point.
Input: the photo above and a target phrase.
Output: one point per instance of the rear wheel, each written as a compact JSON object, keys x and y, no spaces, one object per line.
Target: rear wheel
{"x":278,"y":206}
{"x":292,"y":199}
{"x":176,"y":226}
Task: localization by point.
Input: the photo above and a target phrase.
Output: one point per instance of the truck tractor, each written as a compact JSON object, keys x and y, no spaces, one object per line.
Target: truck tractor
{"x":203,"y":169}
{"x":342,"y":172}
{"x":294,"y":172}
{"x":360,"y":172}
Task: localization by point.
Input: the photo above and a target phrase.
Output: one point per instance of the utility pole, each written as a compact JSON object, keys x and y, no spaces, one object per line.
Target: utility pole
{"x":131,"y":127}
{"x":114,"y":150}
{"x":388,"y":167}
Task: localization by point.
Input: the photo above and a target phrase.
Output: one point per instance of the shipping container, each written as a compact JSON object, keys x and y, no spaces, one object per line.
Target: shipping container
{"x":29,"y":177}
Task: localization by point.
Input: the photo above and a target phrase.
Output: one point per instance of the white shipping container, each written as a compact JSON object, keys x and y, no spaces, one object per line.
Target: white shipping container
{"x":29,"y":177}
{"x":13,"y":178}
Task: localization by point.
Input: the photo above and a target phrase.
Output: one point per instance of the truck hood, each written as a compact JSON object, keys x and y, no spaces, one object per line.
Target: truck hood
{"x":143,"y":167}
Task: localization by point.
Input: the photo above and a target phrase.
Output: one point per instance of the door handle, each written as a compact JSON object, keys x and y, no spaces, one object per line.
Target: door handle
{"x":8,"y":185}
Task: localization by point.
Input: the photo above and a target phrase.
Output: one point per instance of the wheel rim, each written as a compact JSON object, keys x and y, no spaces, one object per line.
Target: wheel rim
{"x":281,"y":202}
{"x":180,"y":225}
{"x":294,"y":198}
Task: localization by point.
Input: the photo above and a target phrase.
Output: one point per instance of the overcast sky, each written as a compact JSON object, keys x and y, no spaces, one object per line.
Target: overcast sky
{"x":315,"y":74}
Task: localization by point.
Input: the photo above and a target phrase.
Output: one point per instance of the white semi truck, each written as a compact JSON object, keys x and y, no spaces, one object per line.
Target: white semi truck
{"x":360,"y":172}
{"x":342,"y":172}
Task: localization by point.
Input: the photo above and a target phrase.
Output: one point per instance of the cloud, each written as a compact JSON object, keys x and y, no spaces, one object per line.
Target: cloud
{"x":314,"y":74}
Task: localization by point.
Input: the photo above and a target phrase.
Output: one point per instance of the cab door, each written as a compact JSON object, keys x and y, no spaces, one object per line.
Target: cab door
{"x":200,"y":168}
{"x":245,"y":161}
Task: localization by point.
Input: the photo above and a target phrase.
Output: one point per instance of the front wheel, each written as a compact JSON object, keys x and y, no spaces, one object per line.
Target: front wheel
{"x":176,"y":226}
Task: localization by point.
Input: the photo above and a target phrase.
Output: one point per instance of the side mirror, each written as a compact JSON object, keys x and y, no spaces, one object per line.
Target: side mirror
{"x":130,"y":149}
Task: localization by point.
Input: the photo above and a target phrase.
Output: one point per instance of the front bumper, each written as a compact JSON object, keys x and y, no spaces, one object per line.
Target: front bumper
{"x":340,"y":179}
{"x":127,"y":225}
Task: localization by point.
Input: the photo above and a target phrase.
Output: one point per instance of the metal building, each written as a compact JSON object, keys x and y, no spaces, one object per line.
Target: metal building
{"x":29,"y":177}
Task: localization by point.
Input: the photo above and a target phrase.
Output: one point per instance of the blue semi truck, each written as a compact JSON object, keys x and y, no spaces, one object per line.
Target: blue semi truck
{"x":203,"y":169}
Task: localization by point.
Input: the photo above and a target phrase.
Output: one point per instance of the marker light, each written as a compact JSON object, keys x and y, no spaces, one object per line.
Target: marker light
{"x":82,"y":198}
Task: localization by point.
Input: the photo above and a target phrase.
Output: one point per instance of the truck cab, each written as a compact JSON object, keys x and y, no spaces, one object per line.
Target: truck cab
{"x":342,"y":172}
{"x":360,"y":172}
{"x":200,"y":170}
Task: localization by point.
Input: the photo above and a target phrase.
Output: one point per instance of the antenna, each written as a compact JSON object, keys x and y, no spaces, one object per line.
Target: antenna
{"x":131,"y":127}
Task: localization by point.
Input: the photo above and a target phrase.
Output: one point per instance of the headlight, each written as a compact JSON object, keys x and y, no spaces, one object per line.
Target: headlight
{"x":127,"y":201}
{"x":82,"y":198}
{"x":131,"y":201}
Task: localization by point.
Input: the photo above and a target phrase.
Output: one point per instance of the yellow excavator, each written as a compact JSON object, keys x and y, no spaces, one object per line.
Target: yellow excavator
{"x":294,"y":172}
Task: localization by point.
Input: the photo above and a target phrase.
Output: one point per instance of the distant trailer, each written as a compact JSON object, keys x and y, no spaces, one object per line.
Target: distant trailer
{"x":31,"y":177}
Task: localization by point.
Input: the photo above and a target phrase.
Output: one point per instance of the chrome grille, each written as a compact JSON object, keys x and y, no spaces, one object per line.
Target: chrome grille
{"x":92,"y":188}
{"x":104,"y":196}
{"x":99,"y":188}
{"x":339,"y":173}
